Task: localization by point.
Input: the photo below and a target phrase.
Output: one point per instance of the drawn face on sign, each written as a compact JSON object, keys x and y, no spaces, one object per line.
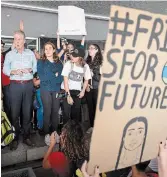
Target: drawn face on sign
{"x":132,"y":142}
{"x":134,"y":136}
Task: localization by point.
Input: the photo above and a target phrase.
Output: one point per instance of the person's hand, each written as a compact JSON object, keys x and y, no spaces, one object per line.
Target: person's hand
{"x":70,"y":101}
{"x":85,"y":173}
{"x":21,"y":25}
{"x":162,"y":159}
{"x":53,"y":139}
{"x":27,"y":70}
{"x":17,"y":72}
{"x":81,"y":94}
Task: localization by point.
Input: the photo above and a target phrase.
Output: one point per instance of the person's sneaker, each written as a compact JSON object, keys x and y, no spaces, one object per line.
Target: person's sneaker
{"x":28,"y":142}
{"x":13,"y":145}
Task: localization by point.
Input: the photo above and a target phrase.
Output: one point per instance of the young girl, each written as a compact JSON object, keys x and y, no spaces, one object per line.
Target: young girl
{"x":94,"y":60}
{"x":71,"y":154}
{"x":49,"y":70}
{"x":74,"y":71}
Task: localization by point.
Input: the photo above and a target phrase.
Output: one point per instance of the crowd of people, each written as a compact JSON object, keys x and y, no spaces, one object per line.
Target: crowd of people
{"x":61,"y":76}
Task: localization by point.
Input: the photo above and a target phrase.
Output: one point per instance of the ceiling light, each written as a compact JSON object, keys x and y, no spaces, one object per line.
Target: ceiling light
{"x":8,"y":15}
{"x":42,"y":35}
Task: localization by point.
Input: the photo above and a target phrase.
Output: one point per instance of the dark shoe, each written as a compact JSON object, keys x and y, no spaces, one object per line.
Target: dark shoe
{"x":14,"y":145}
{"x":28,"y":142}
{"x":41,"y":132}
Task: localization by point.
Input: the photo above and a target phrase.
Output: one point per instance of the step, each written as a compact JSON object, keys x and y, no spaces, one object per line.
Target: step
{"x":25,"y":153}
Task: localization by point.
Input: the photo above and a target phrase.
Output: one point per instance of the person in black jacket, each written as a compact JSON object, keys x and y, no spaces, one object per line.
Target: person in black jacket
{"x":94,"y":60}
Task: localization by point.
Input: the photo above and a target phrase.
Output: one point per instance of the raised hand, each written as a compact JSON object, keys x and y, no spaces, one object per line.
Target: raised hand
{"x":21,"y":25}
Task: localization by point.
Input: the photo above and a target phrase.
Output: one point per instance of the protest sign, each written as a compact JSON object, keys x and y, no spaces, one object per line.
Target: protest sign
{"x":71,"y":20}
{"x":131,"y":114}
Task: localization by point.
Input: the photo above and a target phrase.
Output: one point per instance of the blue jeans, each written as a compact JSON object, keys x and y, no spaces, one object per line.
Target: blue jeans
{"x":40,"y":110}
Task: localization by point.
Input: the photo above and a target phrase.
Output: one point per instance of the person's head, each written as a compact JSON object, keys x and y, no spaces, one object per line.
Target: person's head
{"x":77,"y":56}
{"x":19,"y":40}
{"x":70,"y":47}
{"x":70,"y":140}
{"x":2,"y":46}
{"x":94,"y":55}
{"x":49,"y":51}
{"x":94,"y":50}
{"x":36,"y":53}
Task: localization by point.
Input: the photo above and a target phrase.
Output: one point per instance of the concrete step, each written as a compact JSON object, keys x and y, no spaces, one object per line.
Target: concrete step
{"x":25,"y":153}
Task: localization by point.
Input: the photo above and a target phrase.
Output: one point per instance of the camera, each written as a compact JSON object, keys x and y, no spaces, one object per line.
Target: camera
{"x":61,"y":95}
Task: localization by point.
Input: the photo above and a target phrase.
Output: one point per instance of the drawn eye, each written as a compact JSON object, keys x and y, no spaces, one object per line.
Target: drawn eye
{"x":129,"y":133}
{"x":140,"y":131}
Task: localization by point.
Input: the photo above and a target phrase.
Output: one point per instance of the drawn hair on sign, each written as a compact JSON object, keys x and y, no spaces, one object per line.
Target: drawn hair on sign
{"x":164,"y":74}
{"x":132,"y":142}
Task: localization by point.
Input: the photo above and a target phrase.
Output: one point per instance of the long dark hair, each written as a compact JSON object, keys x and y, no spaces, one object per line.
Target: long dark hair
{"x":55,"y":56}
{"x":136,"y":119}
{"x":98,"y":59}
{"x":72,"y":141}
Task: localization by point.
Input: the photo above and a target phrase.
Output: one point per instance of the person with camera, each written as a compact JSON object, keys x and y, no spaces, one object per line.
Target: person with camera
{"x":49,"y":69}
{"x":67,"y":47}
{"x":74,"y":71}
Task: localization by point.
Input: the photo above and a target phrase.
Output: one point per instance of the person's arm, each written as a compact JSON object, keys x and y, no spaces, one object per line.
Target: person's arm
{"x":66,"y":86}
{"x":65,"y":74}
{"x":7,"y":65}
{"x":82,"y":93}
{"x":83,"y":41}
{"x":58,"y":40}
{"x":162,"y":159}
{"x":45,"y":163}
{"x":61,"y":53}
{"x":21,"y":25}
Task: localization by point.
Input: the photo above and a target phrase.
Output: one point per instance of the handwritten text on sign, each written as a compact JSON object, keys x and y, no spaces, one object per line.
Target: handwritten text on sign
{"x":132,"y":100}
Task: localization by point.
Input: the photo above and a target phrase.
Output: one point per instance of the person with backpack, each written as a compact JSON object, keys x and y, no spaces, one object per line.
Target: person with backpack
{"x":73,"y":72}
{"x":49,"y":69}
{"x":19,"y":65}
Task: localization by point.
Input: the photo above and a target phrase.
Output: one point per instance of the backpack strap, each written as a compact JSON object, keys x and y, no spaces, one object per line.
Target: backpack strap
{"x":7,"y":134}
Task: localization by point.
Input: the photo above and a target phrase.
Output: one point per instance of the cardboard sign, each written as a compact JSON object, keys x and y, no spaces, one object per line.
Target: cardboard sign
{"x":71,"y":20}
{"x":131,"y":115}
